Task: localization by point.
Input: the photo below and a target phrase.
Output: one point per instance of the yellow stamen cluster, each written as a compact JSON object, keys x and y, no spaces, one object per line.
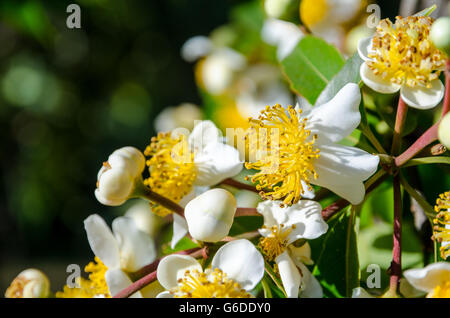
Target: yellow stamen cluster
{"x":442,"y":223}
{"x":276,"y":243}
{"x":288,"y":157}
{"x":171,"y":167}
{"x":441,"y":291}
{"x":404,"y":54}
{"x":95,"y":286}
{"x":210,"y":284}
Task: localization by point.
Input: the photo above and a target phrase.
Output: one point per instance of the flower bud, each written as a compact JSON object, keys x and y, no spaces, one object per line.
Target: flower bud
{"x":31,"y":283}
{"x":117,"y":178}
{"x":440,"y":34}
{"x":210,"y":215}
{"x":444,"y":131}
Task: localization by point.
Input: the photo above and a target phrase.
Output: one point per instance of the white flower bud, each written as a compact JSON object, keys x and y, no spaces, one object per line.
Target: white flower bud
{"x":444,"y":131}
{"x":210,"y":215}
{"x":117,"y":178}
{"x":440,"y":34}
{"x":276,"y":8}
{"x":31,"y":283}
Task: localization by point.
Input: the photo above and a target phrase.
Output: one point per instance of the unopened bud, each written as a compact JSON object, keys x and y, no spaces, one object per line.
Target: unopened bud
{"x":210,"y":215}
{"x":31,"y":283}
{"x":444,"y":131}
{"x":440,"y":34}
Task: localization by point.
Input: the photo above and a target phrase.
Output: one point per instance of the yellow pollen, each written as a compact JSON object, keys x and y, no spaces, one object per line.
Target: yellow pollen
{"x":95,"y":286}
{"x":275,"y":244}
{"x":288,"y":157}
{"x":171,"y":167}
{"x":313,"y":11}
{"x":404,"y":54}
{"x":441,"y":230}
{"x":210,"y":284}
{"x":441,"y":291}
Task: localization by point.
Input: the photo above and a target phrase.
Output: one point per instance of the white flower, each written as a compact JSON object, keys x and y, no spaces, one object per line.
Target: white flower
{"x":183,"y":115}
{"x":210,"y":215}
{"x":325,"y":18}
{"x":284,"y":35}
{"x":196,"y":47}
{"x":145,"y":220}
{"x":119,"y":175}
{"x":284,"y":226}
{"x":237,"y":267}
{"x":30,"y":283}
{"x":261,"y":85}
{"x":124,"y":250}
{"x":219,"y":69}
{"x":434,"y":279}
{"x":309,"y":150}
{"x":276,"y":8}
{"x":396,"y":59}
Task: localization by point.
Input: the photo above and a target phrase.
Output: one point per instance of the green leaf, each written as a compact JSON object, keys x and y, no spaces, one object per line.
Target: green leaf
{"x":427,"y":160}
{"x":349,"y":73}
{"x":245,"y":224}
{"x":311,"y":66}
{"x":336,"y":264}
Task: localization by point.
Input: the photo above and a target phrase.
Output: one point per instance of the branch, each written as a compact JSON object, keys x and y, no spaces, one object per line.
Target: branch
{"x":151,"y":277}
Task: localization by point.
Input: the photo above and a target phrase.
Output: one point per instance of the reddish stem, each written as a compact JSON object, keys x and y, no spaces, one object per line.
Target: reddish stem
{"x":396,"y":264}
{"x":427,"y":138}
{"x":400,"y":119}
{"x":151,"y":277}
{"x":246,"y":212}
{"x":431,"y":134}
{"x":240,"y":185}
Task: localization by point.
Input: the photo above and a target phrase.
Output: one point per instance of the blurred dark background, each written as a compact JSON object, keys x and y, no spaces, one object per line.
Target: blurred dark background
{"x":69,"y":97}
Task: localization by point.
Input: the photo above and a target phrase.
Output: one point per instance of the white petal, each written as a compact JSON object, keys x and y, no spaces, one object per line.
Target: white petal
{"x":301,"y":254}
{"x":284,"y":35}
{"x":428,"y":278}
{"x":117,"y":280}
{"x":215,"y":163}
{"x":305,"y":215}
{"x":114,"y":186}
{"x":173,"y":267}
{"x":307,"y":194}
{"x":364,"y":48}
{"x":343,"y":169}
{"x":203,"y":134}
{"x":377,"y":83}
{"x":102,"y":241}
{"x":196,"y":47}
{"x":336,"y":119}
{"x":310,"y":285}
{"x":421,"y":97}
{"x":290,"y":277}
{"x":129,"y":158}
{"x":241,"y":261}
{"x":137,"y":248}
{"x":180,"y":229}
{"x":360,"y":292}
{"x":165,"y":294}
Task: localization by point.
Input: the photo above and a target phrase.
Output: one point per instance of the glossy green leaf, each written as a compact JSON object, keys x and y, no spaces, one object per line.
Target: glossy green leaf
{"x":311,"y":66}
{"x":336,"y":256}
